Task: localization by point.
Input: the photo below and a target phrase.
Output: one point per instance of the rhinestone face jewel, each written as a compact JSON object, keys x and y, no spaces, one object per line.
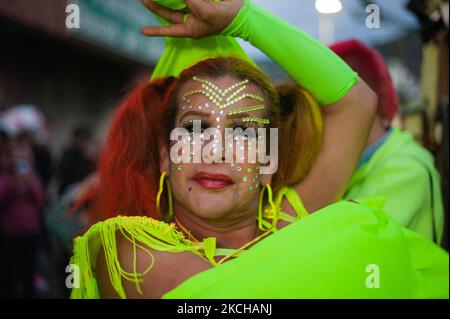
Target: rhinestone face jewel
{"x":247,"y":109}
{"x":219,"y":96}
{"x":256,"y":120}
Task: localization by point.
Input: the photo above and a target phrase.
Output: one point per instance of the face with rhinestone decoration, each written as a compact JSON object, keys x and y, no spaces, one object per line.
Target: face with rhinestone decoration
{"x":206,"y":180}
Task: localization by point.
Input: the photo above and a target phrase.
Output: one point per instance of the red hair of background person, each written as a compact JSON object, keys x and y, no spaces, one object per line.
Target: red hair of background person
{"x":371,"y":68}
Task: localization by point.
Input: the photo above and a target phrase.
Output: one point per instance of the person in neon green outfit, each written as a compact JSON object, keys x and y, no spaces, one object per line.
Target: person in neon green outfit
{"x":210,"y":245}
{"x":393,"y":165}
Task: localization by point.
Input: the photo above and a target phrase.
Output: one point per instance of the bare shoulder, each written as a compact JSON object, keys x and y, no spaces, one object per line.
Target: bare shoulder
{"x":168,"y":270}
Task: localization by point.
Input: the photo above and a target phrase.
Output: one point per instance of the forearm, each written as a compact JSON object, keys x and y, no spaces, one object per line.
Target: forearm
{"x":310,"y":63}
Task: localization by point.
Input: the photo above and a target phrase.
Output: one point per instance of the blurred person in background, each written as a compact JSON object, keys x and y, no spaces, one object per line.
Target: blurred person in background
{"x":21,"y":202}
{"x":3,"y":141}
{"x":31,"y":120}
{"x":393,"y":166}
{"x":65,"y":220}
{"x":78,"y":160}
{"x":44,"y":163}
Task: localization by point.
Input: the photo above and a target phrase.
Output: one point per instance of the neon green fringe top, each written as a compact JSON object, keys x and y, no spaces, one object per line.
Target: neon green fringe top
{"x":346,"y":250}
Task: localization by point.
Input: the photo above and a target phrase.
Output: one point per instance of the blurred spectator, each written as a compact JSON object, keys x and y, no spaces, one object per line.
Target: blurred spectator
{"x":30,"y":119}
{"x":43,"y":162}
{"x":393,"y":166}
{"x":63,"y":223}
{"x":21,"y":202}
{"x":78,"y":160}
{"x":3,"y":141}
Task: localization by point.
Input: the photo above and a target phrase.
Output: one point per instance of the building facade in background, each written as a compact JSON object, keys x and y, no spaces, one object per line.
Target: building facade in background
{"x":74,"y":75}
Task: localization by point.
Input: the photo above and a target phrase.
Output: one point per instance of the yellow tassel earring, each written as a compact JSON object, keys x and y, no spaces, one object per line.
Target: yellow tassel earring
{"x":167,"y":217}
{"x":269,"y":212}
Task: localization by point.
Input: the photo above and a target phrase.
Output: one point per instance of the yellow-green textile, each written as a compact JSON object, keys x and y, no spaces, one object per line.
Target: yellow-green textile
{"x":182,"y":53}
{"x":333,"y":253}
{"x":403,"y":173}
{"x":329,"y":254}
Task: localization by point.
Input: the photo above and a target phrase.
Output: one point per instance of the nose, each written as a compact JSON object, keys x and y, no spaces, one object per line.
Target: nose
{"x":213,"y":152}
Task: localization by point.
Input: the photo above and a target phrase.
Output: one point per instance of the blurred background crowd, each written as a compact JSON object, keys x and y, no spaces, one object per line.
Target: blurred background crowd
{"x":60,"y":86}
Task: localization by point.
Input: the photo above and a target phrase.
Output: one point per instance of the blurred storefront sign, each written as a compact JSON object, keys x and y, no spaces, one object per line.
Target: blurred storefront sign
{"x":112,"y":26}
{"x":116,"y":25}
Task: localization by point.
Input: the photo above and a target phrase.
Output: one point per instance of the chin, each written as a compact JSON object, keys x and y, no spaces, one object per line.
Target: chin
{"x":211,"y":204}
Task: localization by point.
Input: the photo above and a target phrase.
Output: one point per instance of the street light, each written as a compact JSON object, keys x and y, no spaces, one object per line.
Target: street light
{"x":328,"y":6}
{"x":326,"y":25}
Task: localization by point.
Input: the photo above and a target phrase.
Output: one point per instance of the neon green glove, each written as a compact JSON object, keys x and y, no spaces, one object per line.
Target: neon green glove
{"x":310,"y":63}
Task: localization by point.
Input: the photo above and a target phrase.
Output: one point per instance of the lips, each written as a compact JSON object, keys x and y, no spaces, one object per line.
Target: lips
{"x":213,"y":181}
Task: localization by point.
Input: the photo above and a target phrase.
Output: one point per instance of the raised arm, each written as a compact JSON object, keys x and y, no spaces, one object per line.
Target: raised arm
{"x":350,"y":104}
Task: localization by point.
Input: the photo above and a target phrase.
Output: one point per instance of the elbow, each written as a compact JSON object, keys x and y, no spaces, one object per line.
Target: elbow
{"x":362,"y":101}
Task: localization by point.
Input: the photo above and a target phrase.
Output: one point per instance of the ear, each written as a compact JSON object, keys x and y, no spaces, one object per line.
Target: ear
{"x":266,"y":179}
{"x":164,"y":163}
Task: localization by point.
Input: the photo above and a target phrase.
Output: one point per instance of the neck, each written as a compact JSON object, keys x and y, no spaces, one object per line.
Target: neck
{"x":228,"y":234}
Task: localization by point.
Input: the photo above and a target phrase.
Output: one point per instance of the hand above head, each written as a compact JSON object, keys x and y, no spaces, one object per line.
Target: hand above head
{"x":205,"y":18}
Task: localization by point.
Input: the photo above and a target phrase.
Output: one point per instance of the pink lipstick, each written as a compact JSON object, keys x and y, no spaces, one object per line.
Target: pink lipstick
{"x":213,"y":181}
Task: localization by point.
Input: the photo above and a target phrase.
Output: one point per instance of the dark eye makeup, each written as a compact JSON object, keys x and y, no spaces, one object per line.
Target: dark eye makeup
{"x":234,"y":124}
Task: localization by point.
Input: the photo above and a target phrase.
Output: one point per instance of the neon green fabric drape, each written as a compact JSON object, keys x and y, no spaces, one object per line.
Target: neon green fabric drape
{"x":338,"y":252}
{"x":182,"y":53}
{"x":403,"y":173}
{"x":345,"y":250}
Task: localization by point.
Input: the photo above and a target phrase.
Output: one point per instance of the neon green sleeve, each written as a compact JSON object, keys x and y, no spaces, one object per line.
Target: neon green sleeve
{"x":182,"y":53}
{"x":310,"y":63}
